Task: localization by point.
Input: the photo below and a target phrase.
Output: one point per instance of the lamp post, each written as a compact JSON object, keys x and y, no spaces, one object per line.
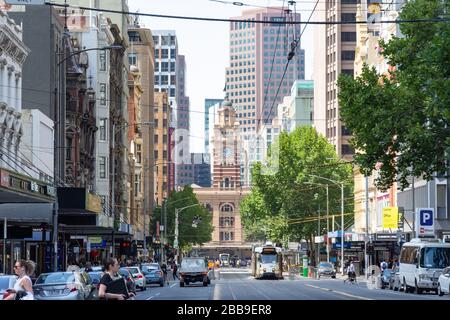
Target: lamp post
{"x":341,"y":185}
{"x":177,"y":212}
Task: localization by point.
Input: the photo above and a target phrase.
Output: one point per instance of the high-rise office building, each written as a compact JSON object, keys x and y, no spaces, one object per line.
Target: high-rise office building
{"x":334,"y":46}
{"x":208,"y":104}
{"x":253,"y":47}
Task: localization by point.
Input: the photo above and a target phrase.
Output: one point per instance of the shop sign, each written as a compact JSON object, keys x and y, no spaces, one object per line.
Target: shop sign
{"x":390,"y":217}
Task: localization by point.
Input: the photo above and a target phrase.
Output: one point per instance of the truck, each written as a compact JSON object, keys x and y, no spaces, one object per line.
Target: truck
{"x":194,"y":269}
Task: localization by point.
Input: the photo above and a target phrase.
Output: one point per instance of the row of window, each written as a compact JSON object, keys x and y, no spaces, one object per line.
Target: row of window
{"x":242,"y":49}
{"x":242,"y":25}
{"x":226,"y":236}
{"x":165,"y":66}
{"x":165,"y":53}
{"x":243,"y":63}
{"x":243,"y":56}
{"x":156,"y":155}
{"x":226,"y":221}
{"x":165,"y":40}
{"x":240,"y":78}
{"x":241,"y":85}
{"x":241,"y":71}
{"x":244,"y":115}
{"x":253,"y":99}
{"x":171,"y":90}
{"x":245,"y":107}
{"x":163,"y":80}
{"x":247,"y":121}
{"x":242,"y":41}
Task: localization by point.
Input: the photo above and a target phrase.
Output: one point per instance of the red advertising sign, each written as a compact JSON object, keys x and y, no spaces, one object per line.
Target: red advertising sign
{"x":4,"y":178}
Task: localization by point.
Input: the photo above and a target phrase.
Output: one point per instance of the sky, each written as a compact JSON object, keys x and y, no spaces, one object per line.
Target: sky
{"x":206,"y":46}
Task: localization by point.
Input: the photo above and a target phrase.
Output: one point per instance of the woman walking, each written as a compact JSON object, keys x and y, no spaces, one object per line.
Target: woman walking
{"x":111,"y":274}
{"x":23,"y":288}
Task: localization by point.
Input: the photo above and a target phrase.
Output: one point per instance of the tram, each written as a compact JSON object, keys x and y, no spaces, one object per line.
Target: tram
{"x":267,"y":262}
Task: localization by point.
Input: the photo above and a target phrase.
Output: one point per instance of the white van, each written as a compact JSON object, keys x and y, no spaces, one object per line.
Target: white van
{"x":421,"y":263}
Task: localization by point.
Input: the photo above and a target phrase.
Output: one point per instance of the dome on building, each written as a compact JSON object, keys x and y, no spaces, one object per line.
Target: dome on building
{"x":227,"y":103}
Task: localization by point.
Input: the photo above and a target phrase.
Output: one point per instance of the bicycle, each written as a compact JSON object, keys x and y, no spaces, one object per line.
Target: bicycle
{"x":351,"y":278}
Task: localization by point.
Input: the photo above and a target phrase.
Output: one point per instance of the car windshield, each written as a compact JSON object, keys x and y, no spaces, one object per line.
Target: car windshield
{"x":133,"y":270}
{"x":147,"y":269}
{"x":59,"y":277}
{"x":197,"y":263}
{"x":4,"y":283}
{"x":124,"y":272}
{"x":268,"y":258}
{"x":435,"y":257}
{"x":325,"y":265}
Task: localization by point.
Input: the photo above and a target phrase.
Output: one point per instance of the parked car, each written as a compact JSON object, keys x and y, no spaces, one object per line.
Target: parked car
{"x":6,"y":282}
{"x":153,"y":274}
{"x":444,"y":282}
{"x":326,"y":269}
{"x":64,"y":286}
{"x":131,"y":284}
{"x":194,"y":269}
{"x":394,"y":282}
{"x":138,"y":277}
{"x":386,"y":277}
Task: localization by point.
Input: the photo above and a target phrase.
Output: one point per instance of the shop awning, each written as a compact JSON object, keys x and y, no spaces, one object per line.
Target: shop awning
{"x":27,"y":212}
{"x":89,"y":230}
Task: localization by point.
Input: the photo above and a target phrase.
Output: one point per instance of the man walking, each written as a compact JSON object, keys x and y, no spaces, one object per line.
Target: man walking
{"x":174,"y":271}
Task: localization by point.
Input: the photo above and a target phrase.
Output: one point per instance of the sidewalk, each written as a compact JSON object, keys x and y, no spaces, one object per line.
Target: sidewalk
{"x":360,"y":279}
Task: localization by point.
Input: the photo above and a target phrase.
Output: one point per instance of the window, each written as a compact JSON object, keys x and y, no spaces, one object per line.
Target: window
{"x":164,"y":67}
{"x":155,"y":154}
{"x":102,"y":167}
{"x":345,"y":131}
{"x":164,"y":53}
{"x":156,"y":40}
{"x":103,"y":94}
{"x":348,"y":55}
{"x":226,"y":208}
{"x":348,"y":17}
{"x":172,"y":67}
{"x":348,"y":36}
{"x":172,"y":80}
{"x":69,"y":149}
{"x":156,"y":66}
{"x":172,"y":92}
{"x":173,"y":53}
{"x":347,"y":149}
{"x":137,"y":185}
{"x":164,"y":155}
{"x":139,"y":153}
{"x":172,"y":40}
{"x":132,"y":59}
{"x":165,"y":40}
{"x":157,"y":81}
{"x":102,"y":131}
{"x":134,"y":36}
{"x":155,"y":138}
{"x":348,"y":72}
{"x":102,"y":57}
{"x":164,"y":80}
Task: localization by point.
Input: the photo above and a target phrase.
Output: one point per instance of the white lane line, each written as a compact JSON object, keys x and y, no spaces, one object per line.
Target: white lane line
{"x":153,"y":296}
{"x":173,"y":285}
{"x":339,"y":292}
{"x":232,"y":293}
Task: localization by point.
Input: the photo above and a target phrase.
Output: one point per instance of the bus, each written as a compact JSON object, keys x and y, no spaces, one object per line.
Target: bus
{"x":421,"y":262}
{"x":267,"y":262}
{"x":224,"y":259}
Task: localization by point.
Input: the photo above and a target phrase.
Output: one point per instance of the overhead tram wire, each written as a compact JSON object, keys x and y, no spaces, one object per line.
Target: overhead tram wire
{"x":154,"y":15}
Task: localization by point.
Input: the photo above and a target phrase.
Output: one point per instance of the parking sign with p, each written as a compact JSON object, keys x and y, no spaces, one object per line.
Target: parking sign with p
{"x":425,"y":222}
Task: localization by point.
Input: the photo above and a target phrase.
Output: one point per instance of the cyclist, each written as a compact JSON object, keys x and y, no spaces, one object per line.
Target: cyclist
{"x":351,"y":272}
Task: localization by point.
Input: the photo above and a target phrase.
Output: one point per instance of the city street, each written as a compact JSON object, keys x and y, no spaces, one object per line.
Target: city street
{"x":238,"y":284}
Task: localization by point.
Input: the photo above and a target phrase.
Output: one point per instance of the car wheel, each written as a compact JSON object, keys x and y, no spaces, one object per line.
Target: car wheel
{"x":405,"y":286}
{"x":181,"y":284}
{"x":205,"y":283}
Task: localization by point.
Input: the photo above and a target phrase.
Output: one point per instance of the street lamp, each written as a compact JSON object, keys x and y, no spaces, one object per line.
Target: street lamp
{"x":341,"y":185}
{"x":177,"y":212}
{"x":112,"y":47}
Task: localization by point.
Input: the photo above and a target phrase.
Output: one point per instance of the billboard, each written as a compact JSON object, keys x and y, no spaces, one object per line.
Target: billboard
{"x":390,"y":217}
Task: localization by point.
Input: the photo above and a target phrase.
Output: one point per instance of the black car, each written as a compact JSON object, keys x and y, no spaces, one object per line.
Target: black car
{"x":131,"y":285}
{"x":386,"y":277}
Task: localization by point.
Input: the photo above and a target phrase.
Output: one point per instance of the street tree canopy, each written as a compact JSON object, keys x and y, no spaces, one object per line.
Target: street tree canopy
{"x":188,"y":235}
{"x":401,"y":119}
{"x":284,"y":191}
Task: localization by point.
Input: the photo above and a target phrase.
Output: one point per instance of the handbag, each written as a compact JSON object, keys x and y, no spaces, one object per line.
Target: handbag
{"x":118,"y":286}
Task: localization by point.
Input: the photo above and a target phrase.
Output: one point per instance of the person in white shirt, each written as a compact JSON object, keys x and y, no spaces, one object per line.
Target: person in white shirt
{"x":23,"y":288}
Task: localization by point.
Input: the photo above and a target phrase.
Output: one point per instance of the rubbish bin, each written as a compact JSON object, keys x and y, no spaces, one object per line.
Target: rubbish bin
{"x":305,"y":266}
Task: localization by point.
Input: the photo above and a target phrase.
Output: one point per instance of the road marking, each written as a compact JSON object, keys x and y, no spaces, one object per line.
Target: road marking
{"x":339,"y":292}
{"x":173,"y":285}
{"x":232,"y":293}
{"x":153,"y":296}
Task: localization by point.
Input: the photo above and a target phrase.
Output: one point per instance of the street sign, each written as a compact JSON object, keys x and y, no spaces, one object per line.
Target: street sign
{"x":425,"y":222}
{"x":26,"y":2}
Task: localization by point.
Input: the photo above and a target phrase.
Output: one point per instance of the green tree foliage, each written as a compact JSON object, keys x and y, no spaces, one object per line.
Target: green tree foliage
{"x":188,"y":235}
{"x":284,"y":190}
{"x":402,"y":119}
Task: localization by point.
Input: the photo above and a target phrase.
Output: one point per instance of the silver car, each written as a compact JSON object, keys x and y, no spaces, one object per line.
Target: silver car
{"x":326,"y":269}
{"x":6,"y":282}
{"x":64,"y":286}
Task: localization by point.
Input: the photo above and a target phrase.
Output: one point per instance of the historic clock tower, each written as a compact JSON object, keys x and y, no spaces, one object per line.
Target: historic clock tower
{"x":225,"y":143}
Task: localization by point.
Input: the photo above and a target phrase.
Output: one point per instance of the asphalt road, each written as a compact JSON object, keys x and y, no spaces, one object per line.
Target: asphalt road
{"x":238,"y":284}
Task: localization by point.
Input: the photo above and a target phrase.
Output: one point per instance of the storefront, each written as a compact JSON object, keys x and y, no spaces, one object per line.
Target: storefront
{"x":26,"y":213}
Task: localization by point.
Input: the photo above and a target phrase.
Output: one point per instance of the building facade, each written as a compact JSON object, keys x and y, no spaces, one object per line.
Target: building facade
{"x":161,"y":168}
{"x":226,"y":192}
{"x":208,"y":104}
{"x":334,"y":47}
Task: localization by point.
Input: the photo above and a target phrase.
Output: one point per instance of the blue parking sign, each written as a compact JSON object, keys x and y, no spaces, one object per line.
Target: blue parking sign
{"x":426,"y":217}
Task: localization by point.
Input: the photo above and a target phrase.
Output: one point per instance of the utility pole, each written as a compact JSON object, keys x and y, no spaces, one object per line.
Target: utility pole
{"x":145,"y":210}
{"x":343,"y":228}
{"x":318,"y":243}
{"x":113,"y":180}
{"x":177,"y":212}
{"x":366,"y":256}
{"x":413,"y":210}
{"x":328,"y":229}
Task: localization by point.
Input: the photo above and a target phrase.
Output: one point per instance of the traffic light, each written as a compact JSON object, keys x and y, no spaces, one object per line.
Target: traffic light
{"x":125,"y":248}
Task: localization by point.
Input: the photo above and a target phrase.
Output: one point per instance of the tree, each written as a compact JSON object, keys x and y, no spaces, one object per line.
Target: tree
{"x":281,"y":198}
{"x":188,"y":235}
{"x":402,"y":119}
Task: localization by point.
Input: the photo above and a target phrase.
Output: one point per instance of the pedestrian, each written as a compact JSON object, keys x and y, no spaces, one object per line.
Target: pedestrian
{"x":174,"y":271}
{"x":164,"y":270}
{"x":111,"y":274}
{"x":23,"y":288}
{"x":383,"y":266}
{"x":88,"y":267}
{"x":73,"y":266}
